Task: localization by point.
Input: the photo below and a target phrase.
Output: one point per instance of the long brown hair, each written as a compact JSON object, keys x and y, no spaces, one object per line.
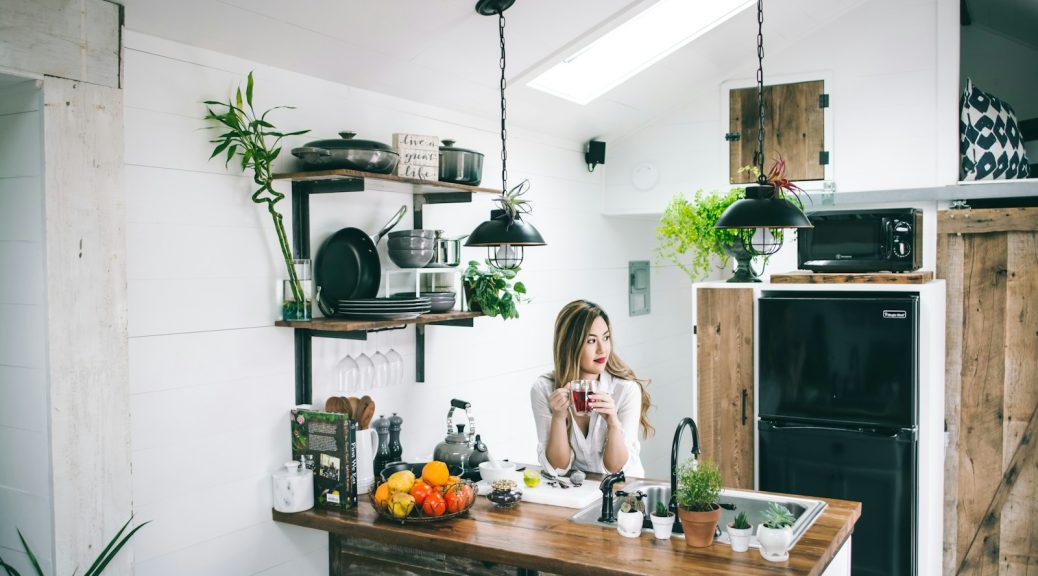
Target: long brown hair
{"x":571,"y":329}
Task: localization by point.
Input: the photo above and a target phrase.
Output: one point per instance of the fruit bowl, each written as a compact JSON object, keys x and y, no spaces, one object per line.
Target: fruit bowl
{"x":456,"y":497}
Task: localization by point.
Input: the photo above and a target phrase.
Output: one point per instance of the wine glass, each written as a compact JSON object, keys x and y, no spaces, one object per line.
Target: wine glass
{"x":367,"y":372}
{"x":381,"y":364}
{"x":349,"y":376}
{"x":396,"y":367}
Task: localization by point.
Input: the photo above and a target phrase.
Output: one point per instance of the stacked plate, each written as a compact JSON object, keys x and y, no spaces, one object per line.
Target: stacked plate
{"x":383,"y":308}
{"x":441,"y":301}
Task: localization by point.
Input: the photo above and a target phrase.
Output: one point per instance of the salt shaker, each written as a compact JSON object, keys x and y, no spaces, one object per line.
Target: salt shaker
{"x":293,"y":488}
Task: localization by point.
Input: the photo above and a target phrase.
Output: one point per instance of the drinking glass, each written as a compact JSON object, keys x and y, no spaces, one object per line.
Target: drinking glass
{"x":367,"y":372}
{"x":381,"y":364}
{"x":396,"y":367}
{"x":349,"y":376}
{"x":581,"y":391}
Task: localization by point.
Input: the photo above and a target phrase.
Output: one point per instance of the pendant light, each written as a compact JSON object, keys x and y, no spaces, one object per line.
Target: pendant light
{"x":762,"y":212}
{"x":506,"y":234}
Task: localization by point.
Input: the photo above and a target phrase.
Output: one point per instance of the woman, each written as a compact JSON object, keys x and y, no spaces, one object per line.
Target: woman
{"x":606,"y":439}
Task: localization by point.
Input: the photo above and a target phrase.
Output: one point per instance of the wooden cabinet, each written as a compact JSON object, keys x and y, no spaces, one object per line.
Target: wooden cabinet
{"x":724,"y":379}
{"x":341,"y":180}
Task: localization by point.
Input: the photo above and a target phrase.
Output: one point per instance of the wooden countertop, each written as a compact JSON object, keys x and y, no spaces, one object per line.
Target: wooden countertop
{"x":541,"y":537}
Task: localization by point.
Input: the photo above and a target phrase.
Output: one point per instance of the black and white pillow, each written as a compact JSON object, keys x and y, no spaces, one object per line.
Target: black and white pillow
{"x":989,"y":138}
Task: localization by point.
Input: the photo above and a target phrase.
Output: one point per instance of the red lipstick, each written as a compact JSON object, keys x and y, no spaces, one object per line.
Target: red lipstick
{"x":600,"y":360}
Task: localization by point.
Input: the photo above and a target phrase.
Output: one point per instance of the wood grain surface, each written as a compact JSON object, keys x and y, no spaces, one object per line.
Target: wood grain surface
{"x":542,"y":538}
{"x":348,"y":325}
{"x":724,"y":370}
{"x":987,"y":220}
{"x":430,"y":185}
{"x":807,"y":277}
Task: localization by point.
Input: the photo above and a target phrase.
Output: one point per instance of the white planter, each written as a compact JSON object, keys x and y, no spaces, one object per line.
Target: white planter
{"x":629,"y":524}
{"x":662,"y":526}
{"x":774,"y":543}
{"x":739,"y":538}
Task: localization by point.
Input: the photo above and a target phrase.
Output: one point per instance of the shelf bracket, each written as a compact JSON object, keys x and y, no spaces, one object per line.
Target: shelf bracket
{"x":421,"y":199}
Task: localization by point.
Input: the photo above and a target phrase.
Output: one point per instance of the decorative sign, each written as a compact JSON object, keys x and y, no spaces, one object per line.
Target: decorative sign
{"x":419,"y":156}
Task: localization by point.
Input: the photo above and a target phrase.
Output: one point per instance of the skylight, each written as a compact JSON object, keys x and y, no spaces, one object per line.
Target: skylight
{"x":633,"y":46}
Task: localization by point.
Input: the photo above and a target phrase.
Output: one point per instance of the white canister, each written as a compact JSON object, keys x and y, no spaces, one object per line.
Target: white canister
{"x":293,"y":488}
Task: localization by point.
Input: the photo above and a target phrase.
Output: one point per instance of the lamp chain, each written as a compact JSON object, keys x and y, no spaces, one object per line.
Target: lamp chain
{"x":504,"y":115}
{"x":761,"y":179}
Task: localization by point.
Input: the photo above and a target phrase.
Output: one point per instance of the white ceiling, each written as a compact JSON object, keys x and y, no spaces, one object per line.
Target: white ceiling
{"x":443,"y":53}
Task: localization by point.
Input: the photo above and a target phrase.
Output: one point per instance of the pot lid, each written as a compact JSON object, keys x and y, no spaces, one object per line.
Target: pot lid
{"x":348,"y":142}
{"x":448,"y":146}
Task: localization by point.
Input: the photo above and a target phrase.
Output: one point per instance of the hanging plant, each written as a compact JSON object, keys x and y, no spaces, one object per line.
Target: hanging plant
{"x":686,"y":229}
{"x":256,"y":143}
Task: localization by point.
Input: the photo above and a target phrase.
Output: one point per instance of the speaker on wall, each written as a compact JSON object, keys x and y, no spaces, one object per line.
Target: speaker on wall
{"x":595,"y":154}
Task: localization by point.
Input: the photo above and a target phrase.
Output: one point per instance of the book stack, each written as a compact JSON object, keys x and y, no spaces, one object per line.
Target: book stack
{"x":419,"y":156}
{"x":326,"y":442}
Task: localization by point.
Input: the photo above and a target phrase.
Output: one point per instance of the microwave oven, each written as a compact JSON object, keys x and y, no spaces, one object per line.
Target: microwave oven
{"x":889,"y":239}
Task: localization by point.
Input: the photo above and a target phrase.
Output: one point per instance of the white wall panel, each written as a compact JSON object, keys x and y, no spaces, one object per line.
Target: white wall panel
{"x":21,"y":209}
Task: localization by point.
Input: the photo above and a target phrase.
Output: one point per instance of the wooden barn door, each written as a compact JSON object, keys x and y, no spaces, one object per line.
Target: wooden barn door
{"x":990,"y":261}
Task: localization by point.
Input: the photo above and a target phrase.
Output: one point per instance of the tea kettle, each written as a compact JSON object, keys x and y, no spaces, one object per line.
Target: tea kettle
{"x":461,"y":448}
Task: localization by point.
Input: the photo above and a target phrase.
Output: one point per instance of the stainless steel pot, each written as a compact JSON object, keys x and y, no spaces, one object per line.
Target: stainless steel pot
{"x":446,"y":251}
{"x":349,"y":153}
{"x":459,"y":165}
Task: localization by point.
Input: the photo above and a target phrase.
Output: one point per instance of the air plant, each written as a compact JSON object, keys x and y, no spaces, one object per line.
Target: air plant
{"x":512,"y":201}
{"x":784,"y":187}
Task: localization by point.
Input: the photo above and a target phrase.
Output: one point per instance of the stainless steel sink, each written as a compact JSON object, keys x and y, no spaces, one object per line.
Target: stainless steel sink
{"x":805,"y":510}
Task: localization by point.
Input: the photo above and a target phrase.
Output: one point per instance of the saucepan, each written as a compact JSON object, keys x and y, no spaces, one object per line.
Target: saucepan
{"x":348,"y":267}
{"x":446,"y":252}
{"x":348,"y":152}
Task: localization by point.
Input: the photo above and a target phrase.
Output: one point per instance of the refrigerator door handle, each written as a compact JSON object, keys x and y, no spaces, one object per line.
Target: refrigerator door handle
{"x":900,"y":434}
{"x":744,"y":395}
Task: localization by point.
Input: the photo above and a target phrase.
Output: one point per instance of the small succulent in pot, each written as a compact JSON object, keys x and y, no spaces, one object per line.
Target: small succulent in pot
{"x":632,"y":502}
{"x":739,"y":532}
{"x":661,"y":510}
{"x":740,"y":522}
{"x":777,"y":516}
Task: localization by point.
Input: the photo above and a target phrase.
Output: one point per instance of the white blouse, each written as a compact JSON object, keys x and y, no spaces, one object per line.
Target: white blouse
{"x":586,"y":452}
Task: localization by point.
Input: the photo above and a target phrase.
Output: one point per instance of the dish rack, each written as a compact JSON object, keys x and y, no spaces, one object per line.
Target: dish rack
{"x":437,"y":280}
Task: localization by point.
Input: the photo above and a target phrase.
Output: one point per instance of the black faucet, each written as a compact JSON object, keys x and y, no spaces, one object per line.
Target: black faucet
{"x":686,"y":421}
{"x":607,"y":495}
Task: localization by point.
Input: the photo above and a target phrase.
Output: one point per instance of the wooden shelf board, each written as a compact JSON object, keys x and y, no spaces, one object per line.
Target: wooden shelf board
{"x":347,"y":325}
{"x":428,"y":186}
{"x":807,"y":277}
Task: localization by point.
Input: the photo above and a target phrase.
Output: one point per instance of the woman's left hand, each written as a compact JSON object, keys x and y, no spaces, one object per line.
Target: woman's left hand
{"x":604,"y":406}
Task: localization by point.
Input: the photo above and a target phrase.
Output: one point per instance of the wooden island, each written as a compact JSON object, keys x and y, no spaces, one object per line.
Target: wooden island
{"x":537,"y":538}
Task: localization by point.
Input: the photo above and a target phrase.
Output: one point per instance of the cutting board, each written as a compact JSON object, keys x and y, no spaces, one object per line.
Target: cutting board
{"x":575,"y":497}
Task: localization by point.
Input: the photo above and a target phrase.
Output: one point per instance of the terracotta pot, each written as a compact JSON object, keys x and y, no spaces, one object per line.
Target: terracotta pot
{"x":699,"y":526}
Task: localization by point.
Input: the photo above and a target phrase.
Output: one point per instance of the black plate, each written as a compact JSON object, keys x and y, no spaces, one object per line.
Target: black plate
{"x":347,"y":267}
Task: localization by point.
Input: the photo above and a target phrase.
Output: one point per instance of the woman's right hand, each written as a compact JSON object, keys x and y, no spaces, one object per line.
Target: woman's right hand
{"x":559,"y":402}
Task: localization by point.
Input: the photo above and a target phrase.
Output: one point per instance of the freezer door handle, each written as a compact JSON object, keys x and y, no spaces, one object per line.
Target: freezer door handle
{"x":744,"y":394}
{"x":901,"y":434}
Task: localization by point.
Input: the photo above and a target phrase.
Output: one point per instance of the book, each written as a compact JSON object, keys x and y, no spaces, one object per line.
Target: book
{"x":326,"y":443}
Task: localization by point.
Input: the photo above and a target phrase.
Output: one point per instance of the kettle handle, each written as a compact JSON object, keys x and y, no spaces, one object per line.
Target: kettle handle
{"x":455,"y":404}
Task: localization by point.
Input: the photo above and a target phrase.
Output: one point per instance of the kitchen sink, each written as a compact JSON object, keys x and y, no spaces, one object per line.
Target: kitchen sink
{"x":805,"y":510}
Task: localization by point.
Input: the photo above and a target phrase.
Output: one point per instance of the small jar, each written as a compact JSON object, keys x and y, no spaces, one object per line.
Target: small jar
{"x":504,"y":493}
{"x":293,"y":488}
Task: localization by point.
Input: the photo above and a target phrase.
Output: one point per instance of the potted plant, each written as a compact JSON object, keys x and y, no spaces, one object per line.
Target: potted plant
{"x":739,"y":532}
{"x":686,"y":230}
{"x":492,"y":291}
{"x":775,"y":533}
{"x":255,"y":141}
{"x":110,"y":551}
{"x":699,"y":485}
{"x":662,"y":521}
{"x":631,"y":514}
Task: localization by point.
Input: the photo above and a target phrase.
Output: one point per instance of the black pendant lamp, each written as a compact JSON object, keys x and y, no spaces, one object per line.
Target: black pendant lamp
{"x":762,"y":213}
{"x":505,"y":235}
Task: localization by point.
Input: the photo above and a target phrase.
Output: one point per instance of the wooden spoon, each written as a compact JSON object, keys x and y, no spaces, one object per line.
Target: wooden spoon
{"x":354,"y":407}
{"x":335,"y":404}
{"x":366,"y":412}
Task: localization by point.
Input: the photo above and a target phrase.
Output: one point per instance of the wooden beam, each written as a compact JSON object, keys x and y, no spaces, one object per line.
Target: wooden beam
{"x":987,"y":220}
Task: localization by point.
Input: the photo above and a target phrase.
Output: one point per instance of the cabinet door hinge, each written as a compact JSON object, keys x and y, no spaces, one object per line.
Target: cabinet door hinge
{"x":732,"y":136}
{"x":823,"y":100}
{"x":823,"y":157}
{"x":694,"y":329}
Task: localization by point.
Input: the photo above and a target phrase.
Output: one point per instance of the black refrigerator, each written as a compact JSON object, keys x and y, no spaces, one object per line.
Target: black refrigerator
{"x":838,"y":395}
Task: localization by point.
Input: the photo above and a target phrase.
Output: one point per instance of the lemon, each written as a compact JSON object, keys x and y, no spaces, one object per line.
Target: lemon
{"x":531,"y":478}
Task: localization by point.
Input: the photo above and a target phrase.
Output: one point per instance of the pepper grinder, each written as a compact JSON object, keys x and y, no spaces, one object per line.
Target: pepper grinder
{"x":396,"y":451}
{"x":382,"y":456}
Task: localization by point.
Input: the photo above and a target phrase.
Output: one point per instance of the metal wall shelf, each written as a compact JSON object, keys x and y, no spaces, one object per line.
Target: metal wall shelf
{"x":340,"y":180}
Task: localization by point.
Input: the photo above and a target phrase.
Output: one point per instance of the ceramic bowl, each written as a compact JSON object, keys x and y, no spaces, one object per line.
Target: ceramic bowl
{"x":505,"y":472}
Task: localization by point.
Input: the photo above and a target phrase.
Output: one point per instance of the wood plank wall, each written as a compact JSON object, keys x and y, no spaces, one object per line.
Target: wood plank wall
{"x":990,"y":261}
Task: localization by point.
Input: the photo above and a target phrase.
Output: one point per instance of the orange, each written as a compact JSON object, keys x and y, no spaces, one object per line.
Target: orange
{"x":382,"y":494}
{"x":435,"y":473}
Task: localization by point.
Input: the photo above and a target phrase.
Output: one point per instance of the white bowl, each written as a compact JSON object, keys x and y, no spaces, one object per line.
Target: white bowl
{"x":505,"y":472}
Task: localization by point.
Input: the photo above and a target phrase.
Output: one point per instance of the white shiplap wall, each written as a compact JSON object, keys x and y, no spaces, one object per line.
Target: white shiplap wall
{"x":212,"y":380}
{"x":25,"y":493}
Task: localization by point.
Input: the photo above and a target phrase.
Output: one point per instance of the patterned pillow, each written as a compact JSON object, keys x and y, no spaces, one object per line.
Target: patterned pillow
{"x":989,"y":138}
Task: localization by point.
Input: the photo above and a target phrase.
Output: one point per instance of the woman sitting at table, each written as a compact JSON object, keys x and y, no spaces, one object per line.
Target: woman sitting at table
{"x":605,"y":439}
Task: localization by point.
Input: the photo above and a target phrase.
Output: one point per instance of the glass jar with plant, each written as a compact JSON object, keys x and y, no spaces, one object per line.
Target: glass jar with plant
{"x":251,"y":138}
{"x":739,"y":532}
{"x":699,"y":486}
{"x":775,"y":533}
{"x":492,"y":291}
{"x":662,"y":521}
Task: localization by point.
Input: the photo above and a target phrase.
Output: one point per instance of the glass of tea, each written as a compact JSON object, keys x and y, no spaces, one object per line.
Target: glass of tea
{"x":581,"y":391}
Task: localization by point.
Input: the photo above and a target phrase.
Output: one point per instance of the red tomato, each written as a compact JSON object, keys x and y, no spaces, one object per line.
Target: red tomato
{"x":434,"y":504}
{"x":456,"y":500}
{"x":420,"y":491}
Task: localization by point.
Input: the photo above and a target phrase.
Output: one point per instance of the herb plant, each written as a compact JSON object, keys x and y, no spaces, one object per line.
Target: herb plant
{"x":686,"y":229}
{"x":698,"y":485}
{"x":256,"y":142}
{"x":493,"y":290}
{"x":777,"y":516}
{"x":740,"y":521}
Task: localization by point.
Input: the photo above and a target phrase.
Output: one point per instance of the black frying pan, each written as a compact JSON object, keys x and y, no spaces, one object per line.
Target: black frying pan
{"x":348,"y":266}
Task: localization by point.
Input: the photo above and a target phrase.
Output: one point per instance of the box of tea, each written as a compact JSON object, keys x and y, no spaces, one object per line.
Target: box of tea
{"x":326,"y":442}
